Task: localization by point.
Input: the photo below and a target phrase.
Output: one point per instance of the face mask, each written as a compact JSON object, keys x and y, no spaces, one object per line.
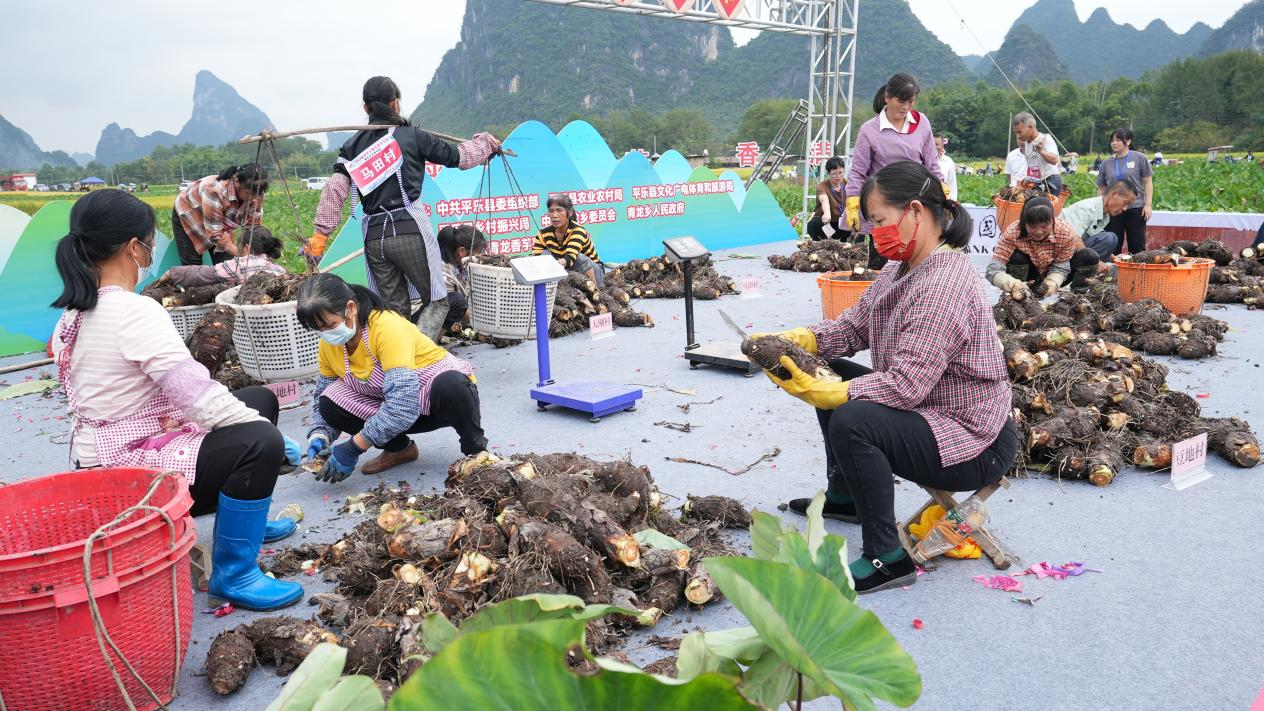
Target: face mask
{"x":338,"y":335}
{"x":887,"y":241}
{"x":143,"y":273}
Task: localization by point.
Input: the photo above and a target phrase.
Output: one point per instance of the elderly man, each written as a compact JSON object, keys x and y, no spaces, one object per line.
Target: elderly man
{"x":1088,"y":218}
{"x":1041,"y":152}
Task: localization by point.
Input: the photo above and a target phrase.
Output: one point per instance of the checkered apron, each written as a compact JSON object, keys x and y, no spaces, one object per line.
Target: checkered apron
{"x":157,"y":436}
{"x":363,"y":398}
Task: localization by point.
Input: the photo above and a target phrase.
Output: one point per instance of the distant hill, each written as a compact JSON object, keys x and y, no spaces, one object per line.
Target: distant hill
{"x":1245,"y":30}
{"x":506,"y":70}
{"x":974,"y":62}
{"x":219,"y":115}
{"x":1101,"y":49}
{"x":18,"y":151}
{"x":1026,"y":56}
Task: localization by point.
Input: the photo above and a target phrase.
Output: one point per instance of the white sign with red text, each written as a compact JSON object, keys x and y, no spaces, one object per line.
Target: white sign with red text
{"x":750,"y":288}
{"x":288,"y":393}
{"x":600,"y":326}
{"x":1189,"y":463}
{"x":375,"y":164}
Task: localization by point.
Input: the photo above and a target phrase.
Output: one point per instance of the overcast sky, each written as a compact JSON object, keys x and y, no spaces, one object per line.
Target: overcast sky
{"x":74,"y":67}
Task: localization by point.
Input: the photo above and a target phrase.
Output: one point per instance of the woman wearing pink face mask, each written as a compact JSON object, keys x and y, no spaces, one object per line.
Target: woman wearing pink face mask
{"x":934,"y":408}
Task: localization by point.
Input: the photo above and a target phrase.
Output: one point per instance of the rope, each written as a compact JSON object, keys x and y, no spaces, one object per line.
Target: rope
{"x":1013,"y":86}
{"x":98,"y":624}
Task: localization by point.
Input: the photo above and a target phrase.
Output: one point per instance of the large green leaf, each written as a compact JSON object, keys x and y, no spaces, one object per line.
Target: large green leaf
{"x":524,"y":668}
{"x":770,"y":682}
{"x":695,"y":657}
{"x":353,"y":693}
{"x":806,"y":620}
{"x":741,"y":643}
{"x":533,"y":608}
{"x":653,"y":538}
{"x":437,"y":632}
{"x":317,"y":674}
{"x":29,"y":387}
{"x":765,"y":533}
{"x":831,"y":562}
{"x":816,"y":523}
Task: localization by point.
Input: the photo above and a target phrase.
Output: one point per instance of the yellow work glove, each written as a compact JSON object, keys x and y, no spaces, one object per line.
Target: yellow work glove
{"x":821,"y":394}
{"x":315,"y":246}
{"x":852,"y":213}
{"x":945,"y":187}
{"x":800,"y":337}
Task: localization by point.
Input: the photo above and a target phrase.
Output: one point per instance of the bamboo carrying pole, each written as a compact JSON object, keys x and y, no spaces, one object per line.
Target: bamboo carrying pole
{"x":274,"y":135}
{"x":24,"y":366}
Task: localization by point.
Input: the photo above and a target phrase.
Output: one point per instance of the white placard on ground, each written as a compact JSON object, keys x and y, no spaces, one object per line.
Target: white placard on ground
{"x":1189,"y":463}
{"x":288,"y":393}
{"x":750,"y":288}
{"x":600,"y":326}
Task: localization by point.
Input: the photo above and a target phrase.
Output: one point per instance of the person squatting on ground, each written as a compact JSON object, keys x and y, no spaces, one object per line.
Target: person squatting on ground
{"x":256,"y":250}
{"x":1039,"y":252}
{"x":1128,"y":166}
{"x":458,"y":245}
{"x":138,"y":398}
{"x":386,"y":168}
{"x":935,"y":407}
{"x":1041,"y":153}
{"x":1090,"y":218}
{"x":827,"y":219}
{"x":568,"y":241}
{"x":206,"y":213}
{"x":380,"y":380}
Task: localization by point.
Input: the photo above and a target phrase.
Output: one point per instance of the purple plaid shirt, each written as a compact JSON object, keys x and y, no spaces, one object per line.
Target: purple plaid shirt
{"x":934,"y":351}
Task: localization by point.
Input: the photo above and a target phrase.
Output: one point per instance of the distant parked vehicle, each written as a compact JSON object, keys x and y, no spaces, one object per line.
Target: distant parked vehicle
{"x":63,"y":187}
{"x":131,"y":187}
{"x":41,"y":188}
{"x":316,"y":183}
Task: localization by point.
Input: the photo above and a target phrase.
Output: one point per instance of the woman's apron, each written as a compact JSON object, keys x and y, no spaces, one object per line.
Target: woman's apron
{"x":363,"y":398}
{"x":365,"y":178}
{"x":157,"y":436}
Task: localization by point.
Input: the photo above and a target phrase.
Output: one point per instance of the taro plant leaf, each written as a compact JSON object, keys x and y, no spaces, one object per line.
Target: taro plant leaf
{"x":651,"y":538}
{"x":831,"y":562}
{"x":29,"y":387}
{"x":770,"y":682}
{"x":766,"y":534}
{"x":794,"y":551}
{"x":317,"y":674}
{"x":816,"y":523}
{"x":353,"y":693}
{"x":524,"y":667}
{"x":742,"y":644}
{"x":532,"y":608}
{"x":808,"y":622}
{"x":437,"y":631}
{"x":696,"y":657}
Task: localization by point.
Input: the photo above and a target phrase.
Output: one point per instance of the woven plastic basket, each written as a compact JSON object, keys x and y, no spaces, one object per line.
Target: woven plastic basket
{"x":270,"y":342}
{"x":838,"y":295}
{"x":501,"y":307}
{"x":45,"y":521}
{"x":186,"y":317}
{"x":1007,"y":212}
{"x":51,"y":657}
{"x":1181,"y":288}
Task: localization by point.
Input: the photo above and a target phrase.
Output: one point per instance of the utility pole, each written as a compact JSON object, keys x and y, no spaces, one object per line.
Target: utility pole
{"x":1009,"y":133}
{"x":1091,"y":133}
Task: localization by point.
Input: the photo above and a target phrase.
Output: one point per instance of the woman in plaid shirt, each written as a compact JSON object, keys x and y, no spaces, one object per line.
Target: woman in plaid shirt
{"x":935,"y":407}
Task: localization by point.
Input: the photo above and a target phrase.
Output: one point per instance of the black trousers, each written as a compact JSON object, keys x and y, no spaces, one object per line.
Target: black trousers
{"x":453,"y":403}
{"x":816,"y":231}
{"x":184,"y":245}
{"x":867,"y":443}
{"x":394,"y":260}
{"x":1082,"y":258}
{"x":242,"y":461}
{"x":458,"y":304}
{"x":1131,"y":228}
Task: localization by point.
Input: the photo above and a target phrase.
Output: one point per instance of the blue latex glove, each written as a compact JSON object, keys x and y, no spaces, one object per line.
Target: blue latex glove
{"x":341,"y":462}
{"x":316,"y":444}
{"x":293,"y":451}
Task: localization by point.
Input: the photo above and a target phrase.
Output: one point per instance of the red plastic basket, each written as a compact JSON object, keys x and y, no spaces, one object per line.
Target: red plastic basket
{"x":45,"y":521}
{"x":51,"y":659}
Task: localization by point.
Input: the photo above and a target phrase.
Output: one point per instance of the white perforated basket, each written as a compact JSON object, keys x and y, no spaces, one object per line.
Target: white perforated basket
{"x":270,"y":342}
{"x":186,"y":317}
{"x":501,"y":307}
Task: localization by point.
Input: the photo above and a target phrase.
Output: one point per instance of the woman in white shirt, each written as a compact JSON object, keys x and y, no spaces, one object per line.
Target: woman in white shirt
{"x":138,"y":398}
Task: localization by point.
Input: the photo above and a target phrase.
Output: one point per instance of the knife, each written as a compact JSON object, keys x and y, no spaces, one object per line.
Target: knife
{"x":732,"y":324}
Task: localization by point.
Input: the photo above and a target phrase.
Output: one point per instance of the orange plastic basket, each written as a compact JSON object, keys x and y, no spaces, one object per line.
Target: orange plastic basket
{"x":1007,"y":212}
{"x":838,"y":295}
{"x":1179,"y":287}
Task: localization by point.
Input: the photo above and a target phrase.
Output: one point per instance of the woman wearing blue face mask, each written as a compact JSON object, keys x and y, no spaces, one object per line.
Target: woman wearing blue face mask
{"x":380,"y":380}
{"x":138,"y":398}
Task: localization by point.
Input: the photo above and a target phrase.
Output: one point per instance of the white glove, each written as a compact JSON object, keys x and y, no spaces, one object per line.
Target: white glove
{"x":1007,"y":283}
{"x":828,"y":229}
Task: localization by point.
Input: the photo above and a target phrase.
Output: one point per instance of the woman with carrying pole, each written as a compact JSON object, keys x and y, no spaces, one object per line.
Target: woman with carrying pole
{"x":385,"y":168}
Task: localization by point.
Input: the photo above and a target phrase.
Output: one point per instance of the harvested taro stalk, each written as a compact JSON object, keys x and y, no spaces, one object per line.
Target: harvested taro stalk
{"x":212,"y":338}
{"x":268,"y":288}
{"x":767,"y":351}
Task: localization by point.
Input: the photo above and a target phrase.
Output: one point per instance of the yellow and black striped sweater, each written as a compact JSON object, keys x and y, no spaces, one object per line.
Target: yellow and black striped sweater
{"x":577,"y":242}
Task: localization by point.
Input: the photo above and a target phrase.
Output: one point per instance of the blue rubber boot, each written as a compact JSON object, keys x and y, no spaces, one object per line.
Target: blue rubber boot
{"x":276,"y":530}
{"x":235,"y":574}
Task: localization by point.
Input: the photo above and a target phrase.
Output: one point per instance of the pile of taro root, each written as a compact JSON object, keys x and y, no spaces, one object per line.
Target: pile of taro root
{"x":658,"y":278}
{"x":1020,"y":195}
{"x":557,"y":523}
{"x":1088,"y":404}
{"x":172,"y":295}
{"x":828,"y":255}
{"x":1234,"y":280}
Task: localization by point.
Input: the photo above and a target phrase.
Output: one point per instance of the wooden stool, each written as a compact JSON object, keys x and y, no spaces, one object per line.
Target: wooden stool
{"x":1001,"y":556}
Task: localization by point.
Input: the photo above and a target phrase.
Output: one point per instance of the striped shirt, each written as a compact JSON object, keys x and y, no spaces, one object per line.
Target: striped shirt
{"x":1054,"y":249}
{"x":236,"y":271}
{"x":575,"y":243}
{"x":934,"y":350}
{"x":209,"y":212}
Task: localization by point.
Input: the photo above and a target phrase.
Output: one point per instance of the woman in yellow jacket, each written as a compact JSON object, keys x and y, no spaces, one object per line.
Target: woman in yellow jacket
{"x":380,"y":380}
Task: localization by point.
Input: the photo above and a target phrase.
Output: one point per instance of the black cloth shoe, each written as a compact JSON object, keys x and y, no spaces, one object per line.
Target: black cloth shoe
{"x":841,"y":512}
{"x":888,"y":575}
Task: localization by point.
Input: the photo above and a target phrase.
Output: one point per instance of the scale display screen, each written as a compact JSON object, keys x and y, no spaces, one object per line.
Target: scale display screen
{"x":540,"y":269}
{"x":683,"y":249}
